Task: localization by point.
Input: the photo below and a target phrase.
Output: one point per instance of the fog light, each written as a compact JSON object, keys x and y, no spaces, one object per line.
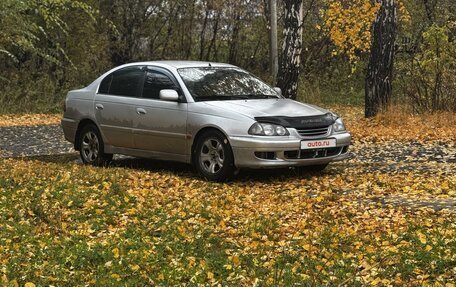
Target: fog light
{"x":265,"y":154}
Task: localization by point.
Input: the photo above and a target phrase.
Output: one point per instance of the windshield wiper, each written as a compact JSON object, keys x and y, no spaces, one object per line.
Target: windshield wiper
{"x":260,"y":96}
{"x":221,"y":98}
{"x":235,"y":97}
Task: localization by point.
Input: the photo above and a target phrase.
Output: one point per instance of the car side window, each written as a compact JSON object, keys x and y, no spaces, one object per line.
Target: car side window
{"x":125,"y":81}
{"x":154,"y":82}
{"x":105,"y":84}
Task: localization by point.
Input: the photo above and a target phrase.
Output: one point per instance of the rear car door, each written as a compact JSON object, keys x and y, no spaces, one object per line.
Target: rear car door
{"x":160,"y":126}
{"x":114,"y":105}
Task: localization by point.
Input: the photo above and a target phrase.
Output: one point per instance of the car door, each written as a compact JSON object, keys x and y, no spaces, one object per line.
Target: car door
{"x":114,"y":105}
{"x":160,"y":126}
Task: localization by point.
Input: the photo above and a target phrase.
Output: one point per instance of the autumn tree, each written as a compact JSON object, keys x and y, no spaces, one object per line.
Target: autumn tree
{"x":348,"y":24}
{"x":32,"y":27}
{"x":379,"y":74}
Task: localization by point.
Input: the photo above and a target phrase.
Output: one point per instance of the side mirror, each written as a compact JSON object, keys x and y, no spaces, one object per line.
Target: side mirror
{"x":278,"y":90}
{"x":169,"y":95}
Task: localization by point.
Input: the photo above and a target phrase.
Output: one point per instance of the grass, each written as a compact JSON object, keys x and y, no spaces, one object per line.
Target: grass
{"x":64,"y":224}
{"x":140,"y":223}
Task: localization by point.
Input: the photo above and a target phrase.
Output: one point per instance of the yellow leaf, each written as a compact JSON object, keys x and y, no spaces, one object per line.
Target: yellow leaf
{"x":376,"y":281}
{"x":421,"y":237}
{"x":115,"y":276}
{"x":134,"y":267}
{"x":191,"y":261}
{"x":29,"y":284}
{"x":428,"y":247}
{"x":235,"y":260}
{"x":210,"y":275}
{"x":115,"y":251}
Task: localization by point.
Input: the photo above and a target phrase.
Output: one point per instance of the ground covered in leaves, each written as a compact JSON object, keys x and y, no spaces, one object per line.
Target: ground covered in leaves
{"x":386,"y":217}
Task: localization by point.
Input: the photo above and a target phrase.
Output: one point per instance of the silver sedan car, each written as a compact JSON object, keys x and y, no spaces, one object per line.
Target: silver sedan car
{"x":215,"y":116}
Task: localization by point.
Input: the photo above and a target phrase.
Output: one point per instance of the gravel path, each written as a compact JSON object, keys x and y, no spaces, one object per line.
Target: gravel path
{"x":33,"y":141}
{"x":48,"y":140}
{"x":395,"y":156}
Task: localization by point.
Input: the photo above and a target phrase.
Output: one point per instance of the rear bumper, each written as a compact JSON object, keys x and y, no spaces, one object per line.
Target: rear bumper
{"x":285,"y":152}
{"x":69,"y":127}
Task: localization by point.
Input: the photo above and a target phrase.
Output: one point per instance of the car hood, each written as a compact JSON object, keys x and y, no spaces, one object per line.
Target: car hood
{"x":268,"y":107}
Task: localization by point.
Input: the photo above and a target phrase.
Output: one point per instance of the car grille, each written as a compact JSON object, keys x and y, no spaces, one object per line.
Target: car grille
{"x":313,"y":132}
{"x":315,"y":153}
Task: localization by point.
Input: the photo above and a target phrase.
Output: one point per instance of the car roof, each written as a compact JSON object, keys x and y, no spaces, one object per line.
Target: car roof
{"x":176,"y":64}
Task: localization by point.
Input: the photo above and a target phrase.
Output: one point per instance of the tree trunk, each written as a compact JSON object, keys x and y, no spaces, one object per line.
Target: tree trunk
{"x":189,"y":37}
{"x":290,"y":60}
{"x":212,"y":43}
{"x":273,"y":53}
{"x":379,"y":75}
{"x":202,"y":35}
{"x":234,"y":40}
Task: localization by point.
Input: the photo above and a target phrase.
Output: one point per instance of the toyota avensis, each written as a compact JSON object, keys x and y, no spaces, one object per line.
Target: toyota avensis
{"x":215,"y":116}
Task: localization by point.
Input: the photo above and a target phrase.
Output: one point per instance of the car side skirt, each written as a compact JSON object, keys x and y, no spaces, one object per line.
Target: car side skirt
{"x":147,"y":154}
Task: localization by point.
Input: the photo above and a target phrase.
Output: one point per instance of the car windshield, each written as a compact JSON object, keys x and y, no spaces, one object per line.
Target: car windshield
{"x":215,"y":84}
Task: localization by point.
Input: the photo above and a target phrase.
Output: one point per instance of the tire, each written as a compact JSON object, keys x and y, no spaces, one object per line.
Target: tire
{"x":213,"y":157}
{"x":91,"y":147}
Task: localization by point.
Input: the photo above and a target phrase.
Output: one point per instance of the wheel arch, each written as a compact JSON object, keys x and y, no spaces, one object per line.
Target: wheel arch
{"x":203,"y":131}
{"x":81,"y":125}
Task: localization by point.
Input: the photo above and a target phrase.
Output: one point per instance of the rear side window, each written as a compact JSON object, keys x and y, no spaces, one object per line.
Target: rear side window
{"x":125,"y":81}
{"x":104,"y":86}
{"x":154,"y":82}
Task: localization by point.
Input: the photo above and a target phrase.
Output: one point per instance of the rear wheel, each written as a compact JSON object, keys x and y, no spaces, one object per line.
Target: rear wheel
{"x":213,"y":157}
{"x":91,"y":147}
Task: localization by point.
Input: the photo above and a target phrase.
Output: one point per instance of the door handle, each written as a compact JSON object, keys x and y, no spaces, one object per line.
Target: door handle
{"x":141,"y":111}
{"x":99,"y":107}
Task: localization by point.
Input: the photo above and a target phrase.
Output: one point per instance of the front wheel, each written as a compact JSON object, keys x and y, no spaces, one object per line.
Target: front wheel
{"x":213,"y":157}
{"x":91,"y":147}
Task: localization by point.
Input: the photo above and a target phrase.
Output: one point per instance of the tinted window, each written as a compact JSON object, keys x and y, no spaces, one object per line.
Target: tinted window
{"x":125,"y":81}
{"x":104,"y":86}
{"x":154,"y":82}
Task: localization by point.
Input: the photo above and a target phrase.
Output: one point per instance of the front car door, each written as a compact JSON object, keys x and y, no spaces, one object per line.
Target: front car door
{"x":160,"y":126}
{"x":114,"y":105}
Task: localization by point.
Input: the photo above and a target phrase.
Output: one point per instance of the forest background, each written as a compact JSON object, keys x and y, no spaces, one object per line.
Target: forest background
{"x":52,"y":46}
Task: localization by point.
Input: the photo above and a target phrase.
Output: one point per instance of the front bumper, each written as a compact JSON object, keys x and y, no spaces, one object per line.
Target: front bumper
{"x":285,"y":152}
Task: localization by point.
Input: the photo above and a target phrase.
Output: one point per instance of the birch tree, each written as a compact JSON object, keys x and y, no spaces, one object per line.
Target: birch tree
{"x":290,"y":59}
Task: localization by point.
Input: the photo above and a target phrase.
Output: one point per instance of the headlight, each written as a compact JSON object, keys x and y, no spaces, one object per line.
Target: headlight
{"x":264,"y":129}
{"x":339,"y":125}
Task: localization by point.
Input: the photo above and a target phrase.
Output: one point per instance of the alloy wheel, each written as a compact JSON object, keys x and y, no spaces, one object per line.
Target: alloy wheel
{"x":90,"y":146}
{"x":211,"y":156}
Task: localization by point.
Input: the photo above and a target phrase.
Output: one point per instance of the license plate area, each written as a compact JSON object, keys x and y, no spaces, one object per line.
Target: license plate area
{"x":318,"y":144}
